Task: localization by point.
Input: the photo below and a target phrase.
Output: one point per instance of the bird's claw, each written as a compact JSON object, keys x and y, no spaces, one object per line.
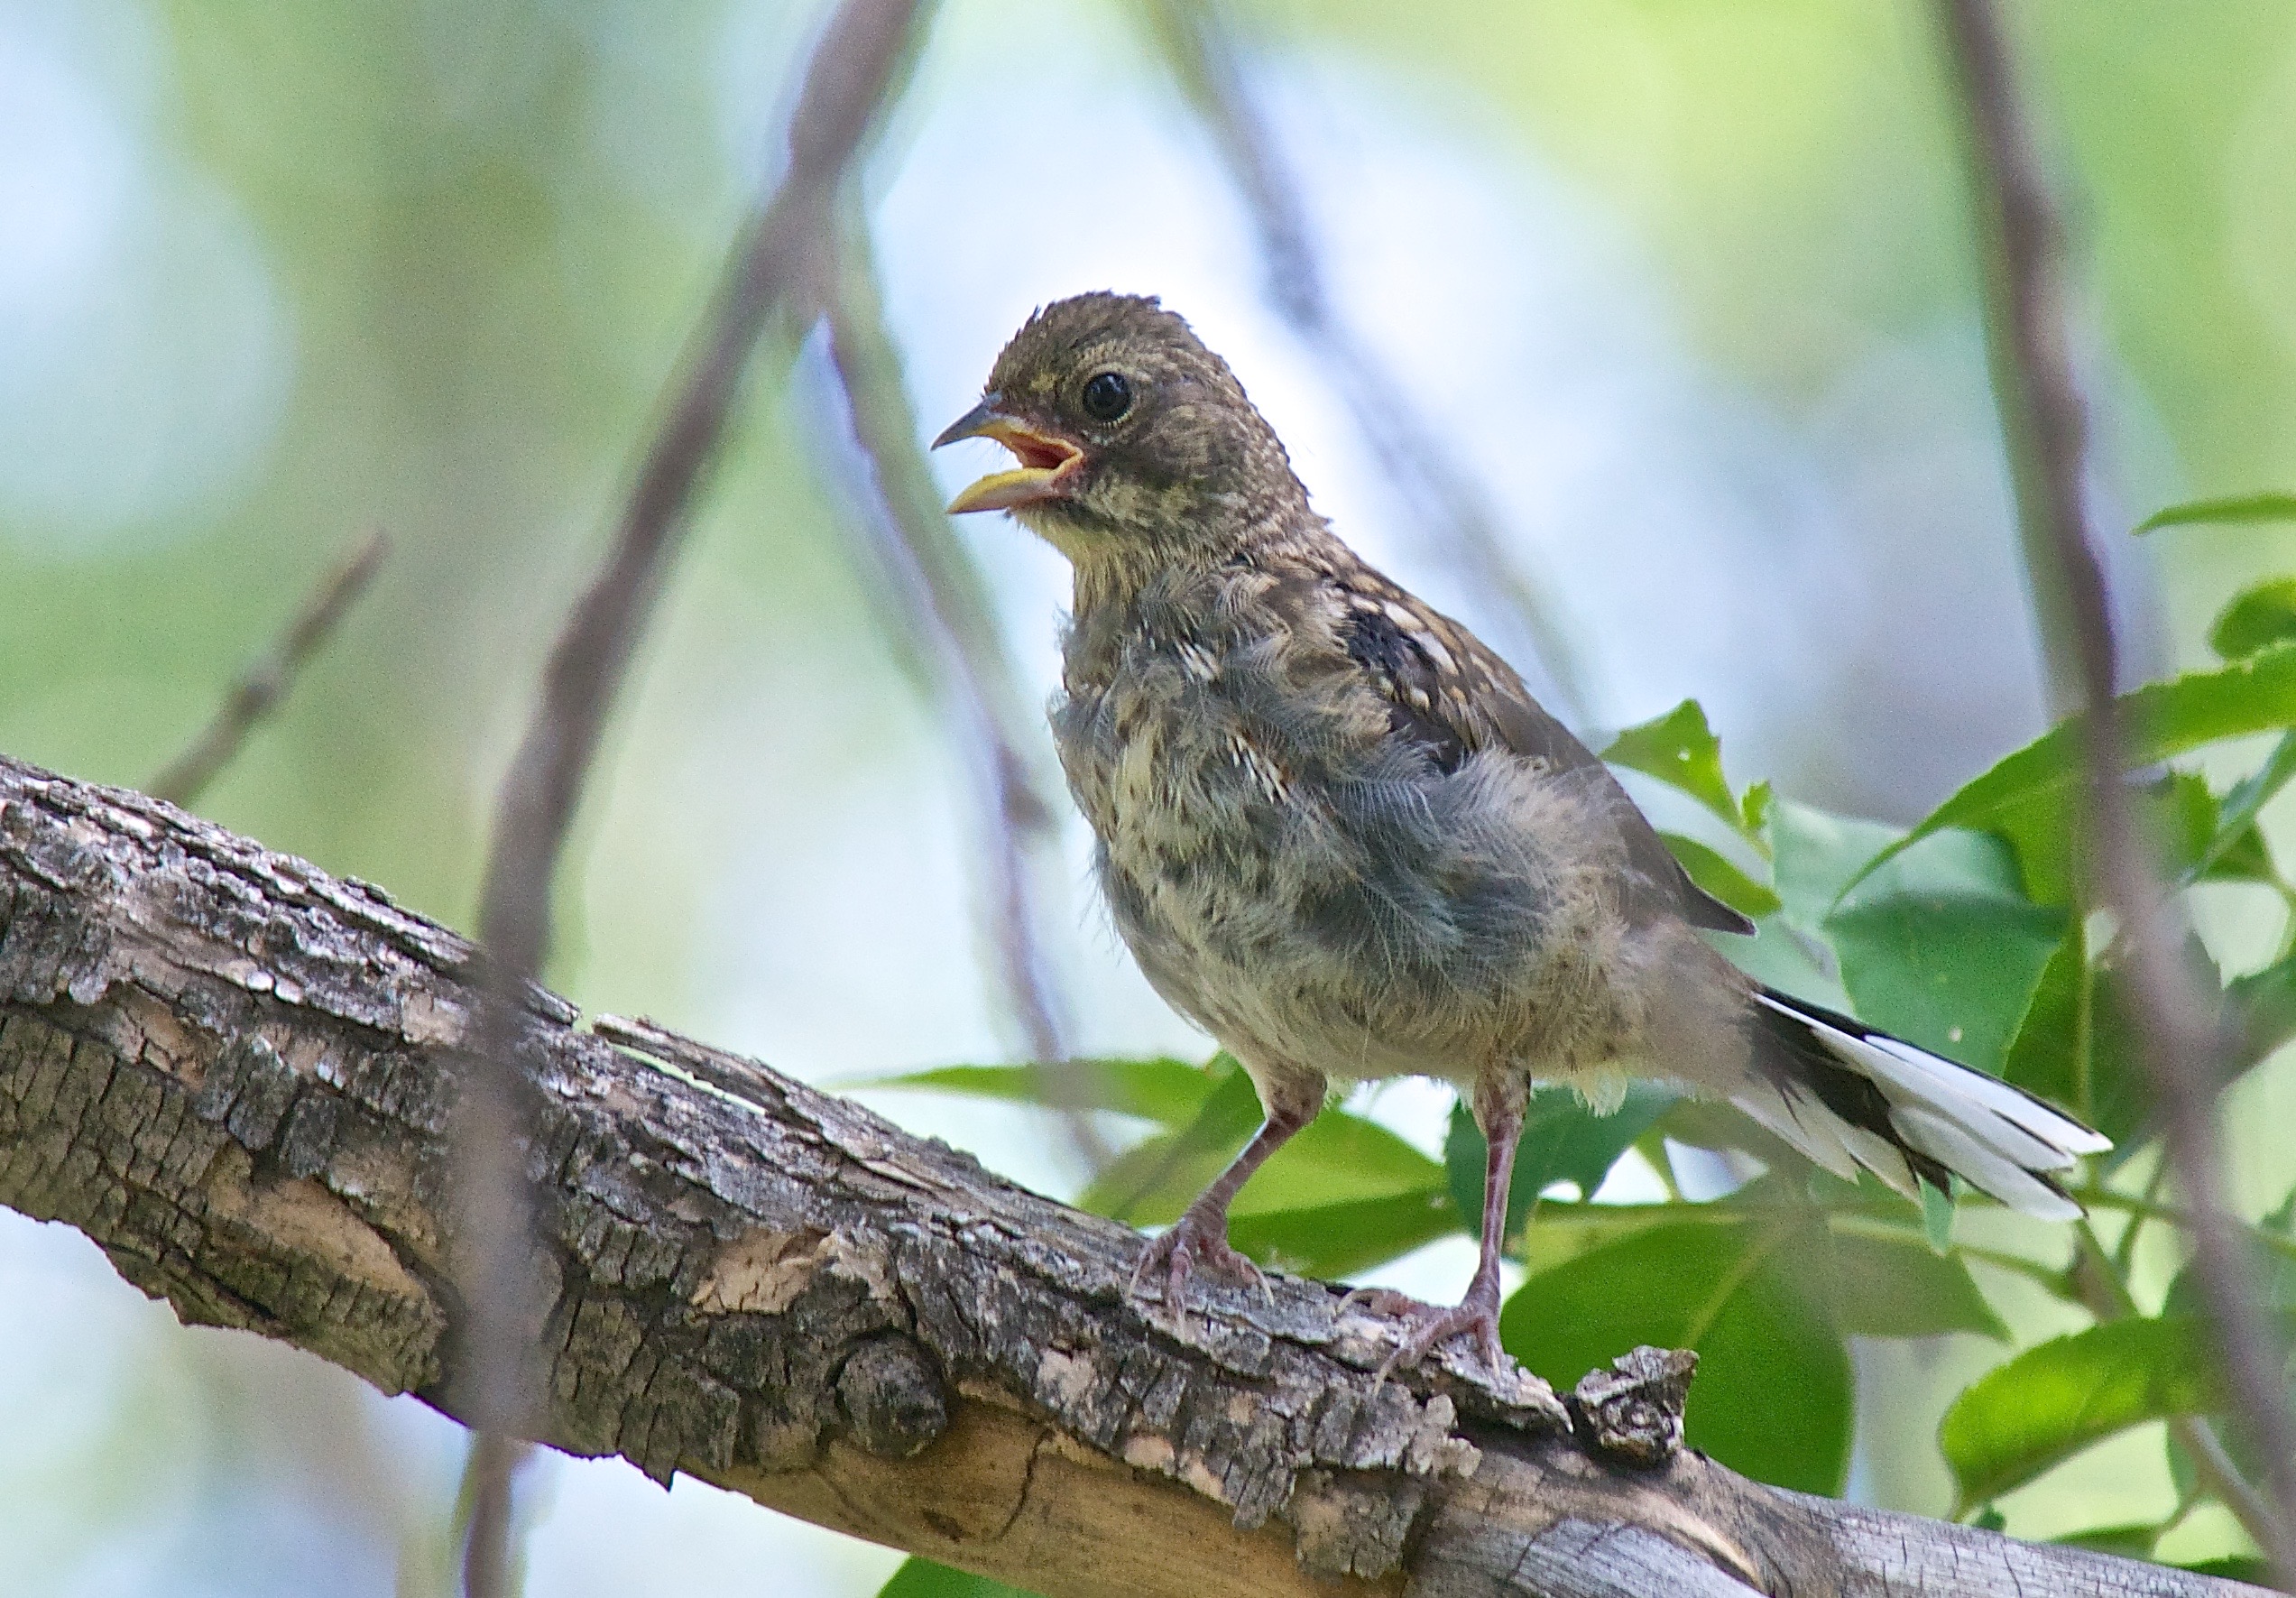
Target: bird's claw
{"x":1190,"y":1243}
{"x":1425,"y":1328}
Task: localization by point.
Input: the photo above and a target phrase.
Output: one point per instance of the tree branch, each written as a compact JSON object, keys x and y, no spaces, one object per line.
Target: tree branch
{"x":234,"y":1074}
{"x":2045,"y":425}
{"x":266,"y":681}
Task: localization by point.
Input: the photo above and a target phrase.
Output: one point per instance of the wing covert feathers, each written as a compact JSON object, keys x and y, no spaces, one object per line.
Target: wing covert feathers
{"x":1449,"y":693}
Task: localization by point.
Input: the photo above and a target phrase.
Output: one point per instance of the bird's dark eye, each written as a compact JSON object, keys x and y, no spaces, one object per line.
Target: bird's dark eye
{"x":1107,"y":396}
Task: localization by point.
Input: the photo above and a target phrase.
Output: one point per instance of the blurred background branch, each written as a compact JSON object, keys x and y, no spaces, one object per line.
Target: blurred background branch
{"x":2181,"y":1043}
{"x":776,"y":270}
{"x":940,"y":618}
{"x":1429,"y":477}
{"x":272,"y":676}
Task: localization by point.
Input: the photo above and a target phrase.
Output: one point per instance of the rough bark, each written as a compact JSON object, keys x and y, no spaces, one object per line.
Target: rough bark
{"x":232,"y":1071}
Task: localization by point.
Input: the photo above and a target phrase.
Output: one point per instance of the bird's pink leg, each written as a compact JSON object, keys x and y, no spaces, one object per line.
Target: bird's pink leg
{"x":1499,"y":1113}
{"x":1200,"y":1236}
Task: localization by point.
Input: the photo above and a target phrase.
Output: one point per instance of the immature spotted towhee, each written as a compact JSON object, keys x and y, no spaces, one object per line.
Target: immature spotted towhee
{"x":1339,"y":834}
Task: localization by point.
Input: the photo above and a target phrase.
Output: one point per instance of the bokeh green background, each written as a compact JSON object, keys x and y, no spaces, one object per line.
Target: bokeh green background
{"x":1688,"y":284}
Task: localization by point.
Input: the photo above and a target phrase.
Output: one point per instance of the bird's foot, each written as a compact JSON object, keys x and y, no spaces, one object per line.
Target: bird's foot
{"x":1193,"y":1241}
{"x":1426,"y":1327}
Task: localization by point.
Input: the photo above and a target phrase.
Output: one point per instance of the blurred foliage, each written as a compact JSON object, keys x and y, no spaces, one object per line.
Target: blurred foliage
{"x":2051,"y":1401}
{"x":2255,"y":620}
{"x":1560,"y":1142}
{"x":2025,"y":798}
{"x":2236,"y":510}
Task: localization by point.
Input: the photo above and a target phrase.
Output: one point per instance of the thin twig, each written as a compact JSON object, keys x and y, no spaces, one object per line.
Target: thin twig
{"x":2044,"y":422}
{"x":269,"y":677}
{"x":1427,"y":473}
{"x":944,"y":618}
{"x":851,"y":71}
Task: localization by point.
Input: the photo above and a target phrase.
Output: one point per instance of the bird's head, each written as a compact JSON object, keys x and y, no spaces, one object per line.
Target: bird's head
{"x":1135,"y":443}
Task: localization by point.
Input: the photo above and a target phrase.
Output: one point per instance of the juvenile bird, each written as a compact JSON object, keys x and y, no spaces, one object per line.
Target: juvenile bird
{"x":1339,"y":834}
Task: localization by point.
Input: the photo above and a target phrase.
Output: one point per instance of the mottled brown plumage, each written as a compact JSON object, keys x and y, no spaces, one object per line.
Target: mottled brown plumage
{"x":1338,"y":832}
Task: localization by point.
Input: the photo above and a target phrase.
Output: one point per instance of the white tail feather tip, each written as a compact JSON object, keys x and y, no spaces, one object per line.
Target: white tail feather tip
{"x":1997,"y":1137}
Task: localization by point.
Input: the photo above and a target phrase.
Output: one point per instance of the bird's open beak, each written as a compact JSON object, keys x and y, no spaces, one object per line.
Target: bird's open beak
{"x":1046,"y":463}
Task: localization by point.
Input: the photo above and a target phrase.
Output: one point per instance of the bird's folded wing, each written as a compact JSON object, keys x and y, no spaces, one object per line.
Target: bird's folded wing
{"x":1448,"y":692}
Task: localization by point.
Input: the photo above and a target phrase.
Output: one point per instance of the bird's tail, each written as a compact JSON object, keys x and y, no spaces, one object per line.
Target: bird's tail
{"x":1847,"y":1095}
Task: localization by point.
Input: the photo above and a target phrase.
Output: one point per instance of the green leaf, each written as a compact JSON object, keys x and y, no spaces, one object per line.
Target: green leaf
{"x":2123,"y":1542}
{"x":1337,"y":1158}
{"x":1791,"y":959}
{"x":1813,"y":855}
{"x":2236,"y":833}
{"x":2255,"y":620}
{"x":1816,"y":855}
{"x":2245,"y":507}
{"x":2076,"y":1047}
{"x":1938,"y":1210}
{"x":1726,"y":1292}
{"x":1153,"y":1180}
{"x":1681,"y":751}
{"x":2281,"y":1221}
{"x":1563,"y":1231}
{"x":2047,"y":1404}
{"x":1892,"y":1284}
{"x":1759,"y":800}
{"x":2194,"y":837}
{"x":2177,"y":817}
{"x":2263,"y":1005}
{"x":1874,"y":1274}
{"x":1563,"y":1142}
{"x":1953,"y":971}
{"x":1954,"y":861}
{"x":1719,"y":876}
{"x":2031,"y":796}
{"x":2245,"y":858}
{"x":2053,"y":1054}
{"x":2239,"y":1443}
{"x":1171,"y":1091}
{"x":2272,"y":1271}
{"x":921,"y":1578}
{"x":2253,"y":1568}
{"x":1337,"y":1240}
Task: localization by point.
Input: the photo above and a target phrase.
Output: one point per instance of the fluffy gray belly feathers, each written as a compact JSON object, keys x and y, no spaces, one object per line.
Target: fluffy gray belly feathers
{"x":1324,"y":902}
